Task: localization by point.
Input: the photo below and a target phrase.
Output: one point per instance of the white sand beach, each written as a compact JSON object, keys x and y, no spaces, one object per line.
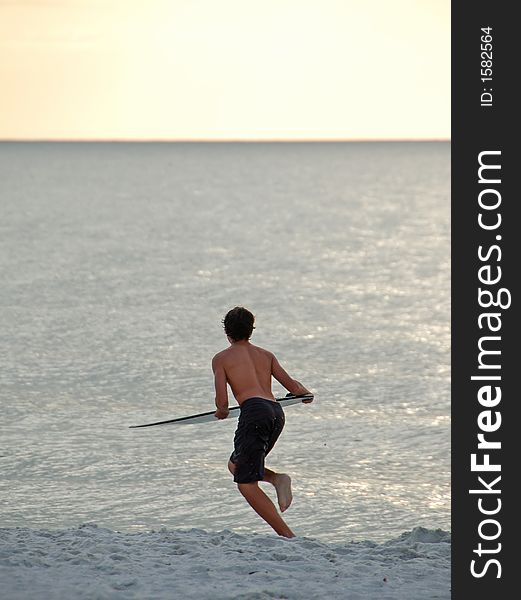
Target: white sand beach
{"x":90,"y":562}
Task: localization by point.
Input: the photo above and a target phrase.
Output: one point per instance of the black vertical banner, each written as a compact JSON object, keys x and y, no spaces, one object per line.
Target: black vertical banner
{"x":486,"y":259}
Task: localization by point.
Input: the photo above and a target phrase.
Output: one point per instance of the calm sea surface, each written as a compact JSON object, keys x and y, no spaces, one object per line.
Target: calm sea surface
{"x":117,"y":264}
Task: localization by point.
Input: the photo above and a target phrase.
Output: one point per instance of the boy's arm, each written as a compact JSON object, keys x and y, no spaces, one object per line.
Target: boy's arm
{"x":292,"y":385}
{"x":221,"y":389}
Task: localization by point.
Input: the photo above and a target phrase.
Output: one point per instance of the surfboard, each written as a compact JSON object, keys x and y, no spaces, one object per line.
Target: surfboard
{"x":209,"y":416}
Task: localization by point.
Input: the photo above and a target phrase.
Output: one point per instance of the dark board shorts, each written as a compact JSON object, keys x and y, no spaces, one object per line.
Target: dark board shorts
{"x":261,"y":422}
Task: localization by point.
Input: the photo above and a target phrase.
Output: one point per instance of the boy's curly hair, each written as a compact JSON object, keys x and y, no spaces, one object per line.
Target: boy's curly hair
{"x":238,"y":323}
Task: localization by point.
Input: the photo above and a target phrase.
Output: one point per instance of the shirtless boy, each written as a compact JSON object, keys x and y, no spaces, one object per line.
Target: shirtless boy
{"x":248,"y":370}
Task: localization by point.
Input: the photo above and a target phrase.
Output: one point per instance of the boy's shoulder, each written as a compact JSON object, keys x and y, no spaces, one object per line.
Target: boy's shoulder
{"x":264,"y":350}
{"x":230,"y":352}
{"x":264,"y":353}
{"x":220,"y":355}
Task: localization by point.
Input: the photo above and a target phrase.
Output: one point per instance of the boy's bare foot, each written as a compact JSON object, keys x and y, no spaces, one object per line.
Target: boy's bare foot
{"x":282,"y":484}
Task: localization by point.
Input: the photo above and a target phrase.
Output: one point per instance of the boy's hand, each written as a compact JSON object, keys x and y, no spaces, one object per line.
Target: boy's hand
{"x":305,"y":401}
{"x":222,"y":413}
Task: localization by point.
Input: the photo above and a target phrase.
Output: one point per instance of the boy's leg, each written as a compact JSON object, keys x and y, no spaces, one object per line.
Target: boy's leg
{"x":264,"y":507}
{"x":282,"y":483}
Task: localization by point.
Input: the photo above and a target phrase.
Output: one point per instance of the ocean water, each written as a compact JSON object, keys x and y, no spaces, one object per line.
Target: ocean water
{"x":117,"y":264}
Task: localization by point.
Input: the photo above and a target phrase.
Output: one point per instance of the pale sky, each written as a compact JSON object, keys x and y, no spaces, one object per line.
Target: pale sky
{"x":224,"y":69}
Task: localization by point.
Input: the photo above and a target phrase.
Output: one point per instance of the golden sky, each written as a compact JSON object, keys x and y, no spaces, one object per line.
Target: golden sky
{"x":224,"y":69}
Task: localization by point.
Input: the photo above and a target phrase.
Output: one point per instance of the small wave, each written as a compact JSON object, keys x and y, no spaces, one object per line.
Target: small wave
{"x":430,"y":536}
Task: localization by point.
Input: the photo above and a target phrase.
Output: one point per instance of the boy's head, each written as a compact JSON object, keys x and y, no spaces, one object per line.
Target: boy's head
{"x":238,"y":324}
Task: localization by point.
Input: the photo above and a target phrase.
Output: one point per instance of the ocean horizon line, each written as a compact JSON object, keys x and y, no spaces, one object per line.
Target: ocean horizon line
{"x":223,"y":140}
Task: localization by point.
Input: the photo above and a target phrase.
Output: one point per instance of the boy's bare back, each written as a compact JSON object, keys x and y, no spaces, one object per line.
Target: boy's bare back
{"x":248,"y":369}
